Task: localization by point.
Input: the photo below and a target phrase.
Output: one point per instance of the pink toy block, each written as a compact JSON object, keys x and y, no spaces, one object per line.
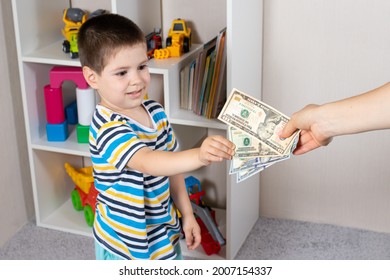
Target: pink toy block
{"x":59,"y":74}
{"x":54,"y":105}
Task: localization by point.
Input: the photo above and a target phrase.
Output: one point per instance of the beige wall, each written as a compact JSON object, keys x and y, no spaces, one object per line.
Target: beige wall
{"x":315,"y":52}
{"x":16,"y":203}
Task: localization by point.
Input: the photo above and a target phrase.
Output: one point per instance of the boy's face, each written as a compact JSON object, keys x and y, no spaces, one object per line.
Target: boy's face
{"x":123,"y":83}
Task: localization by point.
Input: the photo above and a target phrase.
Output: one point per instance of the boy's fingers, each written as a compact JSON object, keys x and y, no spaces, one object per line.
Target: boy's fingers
{"x":223,"y":144}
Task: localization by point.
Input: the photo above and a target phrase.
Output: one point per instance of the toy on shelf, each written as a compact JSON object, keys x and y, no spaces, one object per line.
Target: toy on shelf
{"x":179,"y":41}
{"x":212,"y":238}
{"x":153,"y":42}
{"x":84,"y":194}
{"x":73,"y":19}
{"x":57,"y":123}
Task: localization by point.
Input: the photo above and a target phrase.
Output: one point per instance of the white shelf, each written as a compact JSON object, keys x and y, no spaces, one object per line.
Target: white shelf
{"x":67,"y":219}
{"x":70,"y":146}
{"x":51,"y":54}
{"x":186,"y":117}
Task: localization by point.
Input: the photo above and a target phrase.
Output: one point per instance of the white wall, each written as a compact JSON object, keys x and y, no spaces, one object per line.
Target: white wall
{"x":317,"y":51}
{"x":16,"y":204}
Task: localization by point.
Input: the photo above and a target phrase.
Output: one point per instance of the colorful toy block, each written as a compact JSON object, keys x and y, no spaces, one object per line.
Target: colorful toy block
{"x":57,"y":132}
{"x":82,"y":133}
{"x":71,"y":113}
{"x":78,"y":112}
{"x":85,"y":105}
{"x":54,"y":105}
{"x":59,"y":74}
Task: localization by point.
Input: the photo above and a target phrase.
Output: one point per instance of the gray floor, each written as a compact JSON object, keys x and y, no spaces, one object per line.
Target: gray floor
{"x":270,"y":239}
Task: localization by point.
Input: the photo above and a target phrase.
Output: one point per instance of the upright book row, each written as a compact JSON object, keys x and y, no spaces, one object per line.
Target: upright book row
{"x":203,"y":81}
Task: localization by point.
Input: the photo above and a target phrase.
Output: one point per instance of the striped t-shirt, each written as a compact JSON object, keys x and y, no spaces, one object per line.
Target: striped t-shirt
{"x":135,"y":215}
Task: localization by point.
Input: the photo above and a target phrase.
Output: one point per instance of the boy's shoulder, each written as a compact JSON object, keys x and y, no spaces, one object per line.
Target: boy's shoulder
{"x":153,"y":106}
{"x":150,"y":103}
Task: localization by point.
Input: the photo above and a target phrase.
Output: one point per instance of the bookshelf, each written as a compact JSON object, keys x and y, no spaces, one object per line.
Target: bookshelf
{"x":38,"y":26}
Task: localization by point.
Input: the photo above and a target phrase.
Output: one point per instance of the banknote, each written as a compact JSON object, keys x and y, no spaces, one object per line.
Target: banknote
{"x":238,"y":164}
{"x":248,"y":146}
{"x":245,"y":174}
{"x":258,"y":120}
{"x":253,"y":127}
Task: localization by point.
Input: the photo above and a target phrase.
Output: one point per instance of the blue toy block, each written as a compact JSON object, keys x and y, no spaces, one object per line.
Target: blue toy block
{"x":71,"y":113}
{"x":57,"y":132}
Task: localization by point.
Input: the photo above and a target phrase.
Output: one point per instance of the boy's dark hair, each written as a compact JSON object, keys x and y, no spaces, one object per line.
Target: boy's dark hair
{"x":101,"y":36}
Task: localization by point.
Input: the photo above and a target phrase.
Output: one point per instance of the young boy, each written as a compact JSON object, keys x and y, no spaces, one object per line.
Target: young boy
{"x":137,"y":168}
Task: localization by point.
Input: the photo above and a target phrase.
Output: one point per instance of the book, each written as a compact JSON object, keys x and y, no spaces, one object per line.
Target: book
{"x":217,"y":73}
{"x":199,"y":73}
{"x":219,"y":97}
{"x":184,"y":72}
{"x":210,"y":74}
{"x":203,"y":85}
{"x":191,"y":84}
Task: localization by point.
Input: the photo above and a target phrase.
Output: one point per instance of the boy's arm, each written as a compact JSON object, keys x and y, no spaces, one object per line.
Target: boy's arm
{"x":182,"y":201}
{"x":162,"y":163}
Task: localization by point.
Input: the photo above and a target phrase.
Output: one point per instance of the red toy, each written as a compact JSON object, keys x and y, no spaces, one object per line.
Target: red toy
{"x":84,"y":194}
{"x":153,"y":42}
{"x":212,"y":239}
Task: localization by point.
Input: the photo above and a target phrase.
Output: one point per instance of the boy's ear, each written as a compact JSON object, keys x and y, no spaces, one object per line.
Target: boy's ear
{"x":90,"y":76}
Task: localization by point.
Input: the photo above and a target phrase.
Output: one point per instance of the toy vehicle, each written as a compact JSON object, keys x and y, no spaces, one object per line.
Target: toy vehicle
{"x":73,"y":19}
{"x":153,"y":42}
{"x":84,"y":194}
{"x":179,"y":40}
{"x":212,"y":238}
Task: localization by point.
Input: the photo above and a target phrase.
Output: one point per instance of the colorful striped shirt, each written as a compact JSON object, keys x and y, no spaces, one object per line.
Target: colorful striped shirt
{"x":135,"y":215}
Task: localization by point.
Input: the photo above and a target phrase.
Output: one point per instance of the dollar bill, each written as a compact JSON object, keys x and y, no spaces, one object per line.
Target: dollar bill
{"x":258,"y":120}
{"x":245,"y":174}
{"x":238,"y":164}
{"x":256,"y":149}
{"x":248,"y":146}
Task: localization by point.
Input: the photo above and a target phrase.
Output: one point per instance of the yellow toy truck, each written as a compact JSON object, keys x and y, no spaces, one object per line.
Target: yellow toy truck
{"x":84,"y":193}
{"x":179,"y":40}
{"x":73,"y":19}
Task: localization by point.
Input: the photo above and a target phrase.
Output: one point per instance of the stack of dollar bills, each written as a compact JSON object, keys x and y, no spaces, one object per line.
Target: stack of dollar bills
{"x":253,"y":127}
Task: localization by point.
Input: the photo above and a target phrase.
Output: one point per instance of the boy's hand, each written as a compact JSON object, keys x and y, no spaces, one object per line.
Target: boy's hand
{"x":215,"y":148}
{"x":191,"y":231}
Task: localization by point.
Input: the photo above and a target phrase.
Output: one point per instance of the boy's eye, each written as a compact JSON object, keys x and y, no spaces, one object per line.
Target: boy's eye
{"x":122,"y":73}
{"x":143,"y":67}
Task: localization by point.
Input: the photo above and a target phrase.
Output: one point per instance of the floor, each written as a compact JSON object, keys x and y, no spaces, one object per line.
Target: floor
{"x":270,"y":239}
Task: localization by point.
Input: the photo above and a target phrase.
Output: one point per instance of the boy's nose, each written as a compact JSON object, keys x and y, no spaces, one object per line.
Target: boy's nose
{"x":134,"y":79}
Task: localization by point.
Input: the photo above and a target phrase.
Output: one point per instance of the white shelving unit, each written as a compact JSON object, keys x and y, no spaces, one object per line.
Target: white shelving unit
{"x":38,"y":26}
